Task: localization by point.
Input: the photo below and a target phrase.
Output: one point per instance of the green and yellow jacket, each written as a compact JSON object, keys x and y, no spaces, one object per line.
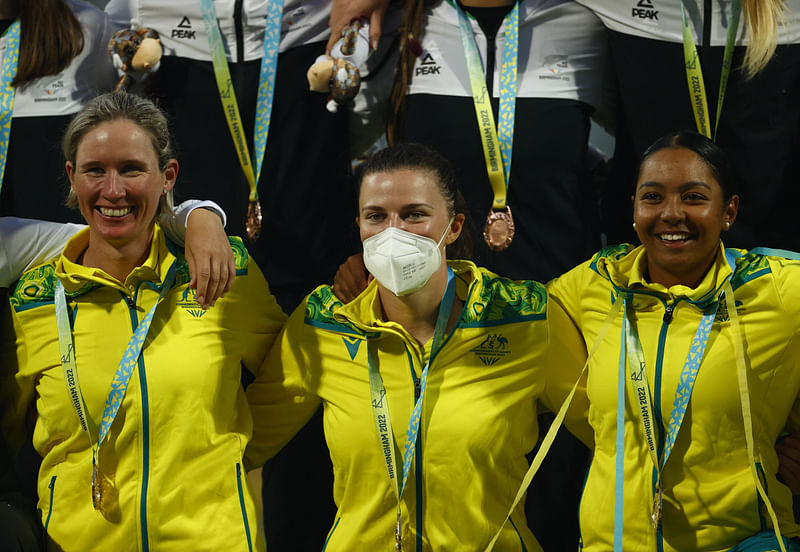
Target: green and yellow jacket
{"x":478,"y":420}
{"x":709,"y":494}
{"x":174,"y":451}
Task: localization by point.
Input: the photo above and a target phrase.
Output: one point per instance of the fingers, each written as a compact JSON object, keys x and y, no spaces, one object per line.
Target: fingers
{"x":789,"y":462}
{"x":375,"y":21}
{"x":351,"y":278}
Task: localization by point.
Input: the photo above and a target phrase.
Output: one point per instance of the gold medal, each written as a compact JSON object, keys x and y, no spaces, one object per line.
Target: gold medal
{"x":499,"y":230}
{"x":253,"y":224}
{"x":104,"y":493}
{"x":655,"y":517}
{"x":398,"y":538}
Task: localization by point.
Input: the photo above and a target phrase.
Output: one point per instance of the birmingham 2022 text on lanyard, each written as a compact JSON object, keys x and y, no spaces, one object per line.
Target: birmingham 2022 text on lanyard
{"x":497,"y":141}
{"x":694,"y":72}
{"x":7,"y":92}
{"x":266,"y":92}
{"x":380,"y":405}
{"x":104,"y":495}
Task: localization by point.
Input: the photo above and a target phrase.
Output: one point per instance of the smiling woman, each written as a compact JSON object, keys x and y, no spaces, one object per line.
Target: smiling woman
{"x":154,"y":459}
{"x":698,"y":376}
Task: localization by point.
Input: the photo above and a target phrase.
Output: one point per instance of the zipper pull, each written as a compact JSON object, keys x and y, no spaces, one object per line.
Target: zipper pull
{"x":417,"y":388}
{"x":668,"y":313}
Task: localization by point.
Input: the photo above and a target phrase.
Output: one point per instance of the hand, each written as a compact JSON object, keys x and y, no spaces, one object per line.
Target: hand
{"x":351,"y":278}
{"x":789,"y":461}
{"x":210,"y":257}
{"x":344,"y":11}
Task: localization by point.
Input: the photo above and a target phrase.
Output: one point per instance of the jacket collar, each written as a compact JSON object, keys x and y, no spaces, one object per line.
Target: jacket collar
{"x":626,"y":273}
{"x":365,"y":312}
{"x":78,"y":279}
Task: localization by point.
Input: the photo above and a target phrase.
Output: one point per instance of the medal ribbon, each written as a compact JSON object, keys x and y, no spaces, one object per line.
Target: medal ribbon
{"x":122,"y":376}
{"x":643,"y":401}
{"x":7,"y":92}
{"x":266,"y":88}
{"x":497,"y":142}
{"x":380,"y":404}
{"x":694,"y":72}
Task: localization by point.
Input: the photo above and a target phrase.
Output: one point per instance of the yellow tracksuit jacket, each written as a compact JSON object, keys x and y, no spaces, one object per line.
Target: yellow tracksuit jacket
{"x":709,"y":500}
{"x":176,"y":445}
{"x":478,"y":421}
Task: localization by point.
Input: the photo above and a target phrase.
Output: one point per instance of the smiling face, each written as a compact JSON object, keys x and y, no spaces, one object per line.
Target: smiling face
{"x":118,"y":184}
{"x":679,"y":212}
{"x":407,"y":199}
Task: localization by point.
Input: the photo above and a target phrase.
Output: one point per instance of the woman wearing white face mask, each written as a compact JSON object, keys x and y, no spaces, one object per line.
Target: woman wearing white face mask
{"x":429,"y":379}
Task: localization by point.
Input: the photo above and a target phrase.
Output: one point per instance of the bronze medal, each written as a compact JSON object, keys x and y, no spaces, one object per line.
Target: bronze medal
{"x":253,"y":224}
{"x":499,"y":230}
{"x":655,"y":517}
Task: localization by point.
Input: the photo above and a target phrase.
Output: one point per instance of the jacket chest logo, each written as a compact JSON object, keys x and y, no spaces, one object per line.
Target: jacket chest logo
{"x":645,"y":9}
{"x":189,"y":304}
{"x":352,"y":344}
{"x":494,"y":347}
{"x":722,"y":311}
{"x":184,"y":30}
{"x":428,"y":66}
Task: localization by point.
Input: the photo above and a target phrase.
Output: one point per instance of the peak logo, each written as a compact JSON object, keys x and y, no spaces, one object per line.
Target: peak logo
{"x":428,"y":66}
{"x":352,"y":344}
{"x":184,"y":30}
{"x":493,"y":348}
{"x":645,"y":10}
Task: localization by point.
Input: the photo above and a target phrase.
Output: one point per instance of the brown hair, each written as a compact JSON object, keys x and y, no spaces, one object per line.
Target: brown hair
{"x":51,"y":37}
{"x":411,"y":37}
{"x":762,"y":18}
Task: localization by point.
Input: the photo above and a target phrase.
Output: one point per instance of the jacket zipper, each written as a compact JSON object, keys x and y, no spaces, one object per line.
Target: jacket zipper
{"x":662,"y":339}
{"x":237,"y":21}
{"x":242,"y":506}
{"x":131,"y":302}
{"x":417,"y":455}
{"x":52,"y":487}
{"x":330,"y":533}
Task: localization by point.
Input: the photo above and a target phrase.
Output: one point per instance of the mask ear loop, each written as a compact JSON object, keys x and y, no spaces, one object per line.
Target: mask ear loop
{"x":446,"y":230}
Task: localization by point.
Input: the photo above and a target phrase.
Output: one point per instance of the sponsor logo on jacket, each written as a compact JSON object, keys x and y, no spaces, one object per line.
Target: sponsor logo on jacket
{"x":722,"y":311}
{"x":190,"y":305}
{"x":494,"y":347}
{"x":50,"y":91}
{"x":645,"y":9}
{"x":184,"y":30}
{"x":554,"y":68}
{"x":428,"y":66}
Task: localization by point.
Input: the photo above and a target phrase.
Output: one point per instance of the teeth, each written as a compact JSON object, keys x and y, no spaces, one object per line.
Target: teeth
{"x":673,"y":237}
{"x":115,"y":212}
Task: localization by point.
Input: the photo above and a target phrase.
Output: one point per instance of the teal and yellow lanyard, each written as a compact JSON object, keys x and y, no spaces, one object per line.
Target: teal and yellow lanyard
{"x":7,"y":92}
{"x":118,"y":385}
{"x":642,"y":400}
{"x":497,"y":141}
{"x":266,"y":92}
{"x":694,"y":72}
{"x":380,"y":404}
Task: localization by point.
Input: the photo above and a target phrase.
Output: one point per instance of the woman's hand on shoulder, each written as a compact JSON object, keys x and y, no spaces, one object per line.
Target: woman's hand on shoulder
{"x":210,"y":257}
{"x":351,"y":278}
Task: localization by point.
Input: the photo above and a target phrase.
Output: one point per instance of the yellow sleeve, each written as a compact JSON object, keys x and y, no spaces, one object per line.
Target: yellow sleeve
{"x":279,"y":398}
{"x":566,"y":356}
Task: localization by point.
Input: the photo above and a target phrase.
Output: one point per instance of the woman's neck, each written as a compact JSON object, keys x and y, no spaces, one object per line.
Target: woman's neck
{"x":118,"y":262}
{"x":418,"y":311}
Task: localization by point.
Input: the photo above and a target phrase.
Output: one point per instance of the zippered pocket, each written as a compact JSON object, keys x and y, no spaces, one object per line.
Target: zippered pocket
{"x":240,"y":488}
{"x":52,"y":487}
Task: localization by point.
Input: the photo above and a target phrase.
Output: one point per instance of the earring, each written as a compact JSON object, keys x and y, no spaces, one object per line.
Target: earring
{"x":727,"y":225}
{"x":634,"y":226}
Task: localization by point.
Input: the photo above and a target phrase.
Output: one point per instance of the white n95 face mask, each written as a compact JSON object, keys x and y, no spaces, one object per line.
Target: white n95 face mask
{"x":402,"y":262}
